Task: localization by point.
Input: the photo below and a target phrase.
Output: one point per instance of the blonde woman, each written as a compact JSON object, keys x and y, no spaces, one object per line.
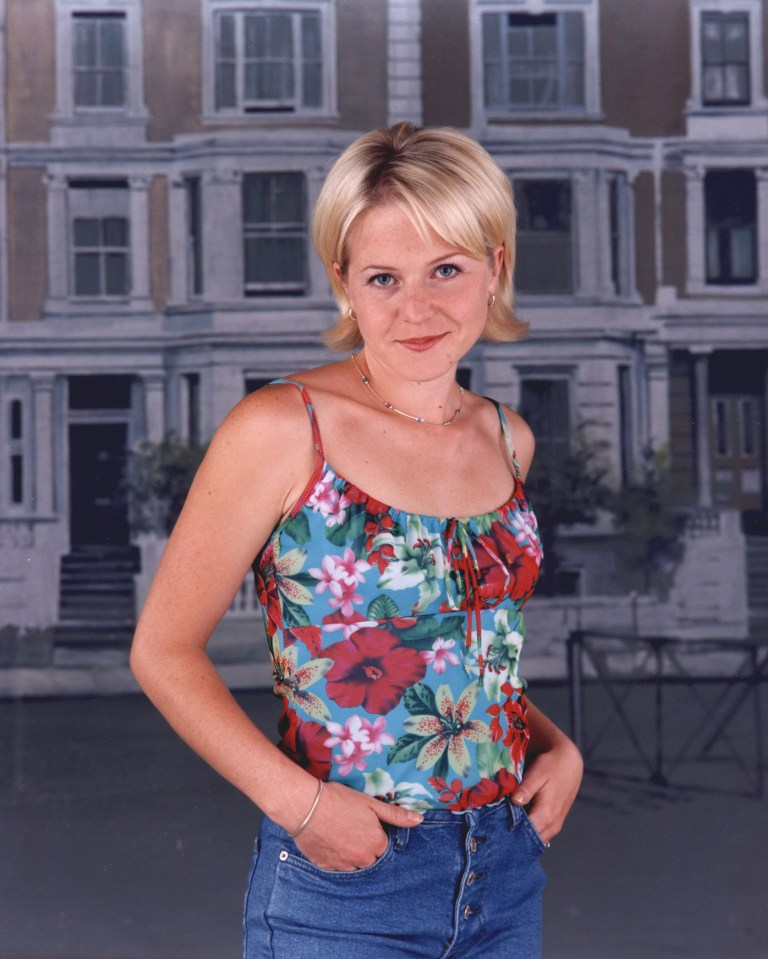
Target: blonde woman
{"x":382,"y":508}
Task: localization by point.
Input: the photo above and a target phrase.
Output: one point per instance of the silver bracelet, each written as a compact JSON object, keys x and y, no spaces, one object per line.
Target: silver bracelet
{"x":311,"y":812}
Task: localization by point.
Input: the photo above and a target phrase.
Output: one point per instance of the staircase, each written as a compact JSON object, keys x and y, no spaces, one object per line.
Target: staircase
{"x":96,"y":597}
{"x":757,"y":585}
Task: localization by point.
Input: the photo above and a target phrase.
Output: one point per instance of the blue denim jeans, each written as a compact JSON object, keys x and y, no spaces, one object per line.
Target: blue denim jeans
{"x":459,"y":885}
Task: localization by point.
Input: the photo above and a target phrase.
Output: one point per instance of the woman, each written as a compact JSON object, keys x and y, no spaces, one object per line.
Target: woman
{"x":394,"y":804}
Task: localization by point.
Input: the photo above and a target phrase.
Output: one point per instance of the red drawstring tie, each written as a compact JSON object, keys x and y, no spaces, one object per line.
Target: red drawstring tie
{"x":467,"y":564}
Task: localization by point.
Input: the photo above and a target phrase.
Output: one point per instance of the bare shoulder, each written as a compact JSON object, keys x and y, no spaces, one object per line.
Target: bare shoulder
{"x":523,"y":440}
{"x":263,"y":452}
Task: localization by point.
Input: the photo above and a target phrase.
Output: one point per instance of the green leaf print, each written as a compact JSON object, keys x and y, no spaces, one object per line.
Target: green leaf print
{"x":419,"y":700}
{"x":352,"y":528}
{"x":406,"y":748}
{"x":441,"y":767}
{"x":489,"y":760}
{"x":382,"y":607}
{"x":428,"y":628}
{"x":293,"y":614}
{"x":297,"y":528}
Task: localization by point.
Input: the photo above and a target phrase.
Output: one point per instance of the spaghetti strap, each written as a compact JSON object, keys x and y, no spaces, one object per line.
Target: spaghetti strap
{"x":507,"y":437}
{"x":310,"y":412}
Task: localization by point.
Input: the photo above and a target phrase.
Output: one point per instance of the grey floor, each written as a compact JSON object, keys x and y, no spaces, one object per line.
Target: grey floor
{"x":117,"y":843}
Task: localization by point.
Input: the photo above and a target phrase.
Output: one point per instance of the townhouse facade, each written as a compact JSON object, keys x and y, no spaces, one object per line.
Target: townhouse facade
{"x":159,"y":164}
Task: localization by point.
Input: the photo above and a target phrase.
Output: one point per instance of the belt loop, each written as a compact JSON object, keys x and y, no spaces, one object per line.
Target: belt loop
{"x":514,"y":814}
{"x":401,"y":837}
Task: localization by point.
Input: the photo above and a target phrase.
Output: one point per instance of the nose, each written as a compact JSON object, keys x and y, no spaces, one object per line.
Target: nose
{"x":416,"y":306}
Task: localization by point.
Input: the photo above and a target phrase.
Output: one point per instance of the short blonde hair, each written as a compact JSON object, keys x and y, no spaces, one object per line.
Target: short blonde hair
{"x":444,"y":181}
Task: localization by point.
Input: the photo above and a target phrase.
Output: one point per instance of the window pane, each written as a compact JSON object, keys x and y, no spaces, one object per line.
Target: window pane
{"x":544,"y":404}
{"x":116,"y":274}
{"x":112,"y":88}
{"x":86,"y":232}
{"x":274,"y":261}
{"x":226,"y":36}
{"x":742,"y":253}
{"x":87,"y":279}
{"x":16,"y":418}
{"x":712,"y":85}
{"x":17,"y":478}
{"x":736,"y":39}
{"x":310,"y":36}
{"x":711,"y":41}
{"x":226,"y":95}
{"x":86,"y":90}
{"x":112,"y":52}
{"x":84,"y":32}
{"x":115,"y":231}
{"x":736,"y":83}
{"x":748,"y":428}
{"x":312,"y":88}
{"x":492,"y":36}
{"x":288,"y":198}
{"x":544,"y":242}
{"x":256,"y":192}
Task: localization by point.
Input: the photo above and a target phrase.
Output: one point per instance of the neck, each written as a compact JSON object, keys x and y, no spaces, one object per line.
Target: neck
{"x":436,"y":403}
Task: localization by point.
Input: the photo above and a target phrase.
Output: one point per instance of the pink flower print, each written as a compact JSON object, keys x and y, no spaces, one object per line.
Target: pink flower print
{"x":336,"y":621}
{"x":353,"y":740}
{"x":377,"y":735}
{"x":340,"y":575}
{"x":440,"y":656}
{"x":327,"y":501}
{"x":344,"y":596}
{"x":527,"y":534}
{"x":354,"y":569}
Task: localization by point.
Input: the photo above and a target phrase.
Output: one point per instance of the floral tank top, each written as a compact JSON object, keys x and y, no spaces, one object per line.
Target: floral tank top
{"x":395,"y":640}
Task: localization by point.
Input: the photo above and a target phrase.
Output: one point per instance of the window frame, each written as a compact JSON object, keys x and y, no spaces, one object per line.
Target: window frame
{"x":721,"y":278}
{"x":588,"y":9}
{"x":212,"y":113}
{"x":133,"y":108}
{"x":756,"y":101}
{"x":267,"y":229}
{"x":102,"y":209}
{"x":518,"y":177}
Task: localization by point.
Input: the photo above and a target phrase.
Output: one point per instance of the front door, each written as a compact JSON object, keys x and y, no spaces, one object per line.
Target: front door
{"x":736,"y":444}
{"x":98,"y":507}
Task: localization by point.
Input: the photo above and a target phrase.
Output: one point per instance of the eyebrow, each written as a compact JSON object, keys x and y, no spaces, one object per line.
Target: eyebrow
{"x":380,"y":268}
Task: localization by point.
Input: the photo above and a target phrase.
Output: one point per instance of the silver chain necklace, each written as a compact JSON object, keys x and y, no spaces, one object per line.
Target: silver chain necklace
{"x":394,"y":409}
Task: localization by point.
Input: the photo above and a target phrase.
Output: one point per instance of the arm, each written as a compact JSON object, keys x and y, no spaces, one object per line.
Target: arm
{"x":554,"y":765}
{"x":552,"y":775}
{"x":257,"y":466}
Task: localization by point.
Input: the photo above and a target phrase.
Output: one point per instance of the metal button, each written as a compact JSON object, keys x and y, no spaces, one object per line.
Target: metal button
{"x":283,"y":855}
{"x":476,"y":841}
{"x":473,"y":876}
{"x":469,"y":911}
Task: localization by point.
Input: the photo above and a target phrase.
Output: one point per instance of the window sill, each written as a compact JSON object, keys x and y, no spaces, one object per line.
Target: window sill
{"x":270,"y":118}
{"x":726,"y":290}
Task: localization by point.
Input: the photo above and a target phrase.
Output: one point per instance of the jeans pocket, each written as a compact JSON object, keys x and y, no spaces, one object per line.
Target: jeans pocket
{"x":532,"y":832}
{"x":291,"y":856}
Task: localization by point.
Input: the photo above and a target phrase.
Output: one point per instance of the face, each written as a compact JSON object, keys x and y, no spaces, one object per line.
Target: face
{"x":420,"y":304}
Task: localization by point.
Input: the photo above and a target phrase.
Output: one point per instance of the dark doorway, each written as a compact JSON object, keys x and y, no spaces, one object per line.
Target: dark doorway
{"x":98,"y":510}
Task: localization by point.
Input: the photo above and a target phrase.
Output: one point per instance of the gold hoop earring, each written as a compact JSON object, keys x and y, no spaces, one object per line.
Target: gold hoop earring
{"x":491,"y":300}
{"x":351,"y":314}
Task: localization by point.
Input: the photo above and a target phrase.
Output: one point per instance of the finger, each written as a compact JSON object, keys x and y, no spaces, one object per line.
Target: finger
{"x":530,"y":785}
{"x":396,"y":815}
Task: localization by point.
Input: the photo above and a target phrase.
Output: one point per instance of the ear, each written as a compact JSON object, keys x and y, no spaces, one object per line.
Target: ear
{"x":497,"y":261}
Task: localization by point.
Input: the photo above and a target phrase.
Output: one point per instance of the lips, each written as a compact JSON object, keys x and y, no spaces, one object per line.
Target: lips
{"x":420,"y":343}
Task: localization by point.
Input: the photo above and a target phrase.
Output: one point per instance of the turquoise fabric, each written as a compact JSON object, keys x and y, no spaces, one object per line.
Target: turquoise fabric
{"x":396,"y":639}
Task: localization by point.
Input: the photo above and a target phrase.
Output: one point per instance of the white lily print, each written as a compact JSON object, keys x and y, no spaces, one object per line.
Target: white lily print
{"x":418,"y":561}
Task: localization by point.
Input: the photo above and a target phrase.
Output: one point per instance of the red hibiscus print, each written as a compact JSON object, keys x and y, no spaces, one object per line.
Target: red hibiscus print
{"x":517,"y":733}
{"x":481,"y":794}
{"x":304,"y":743}
{"x":505,"y":569}
{"x":372,"y":669}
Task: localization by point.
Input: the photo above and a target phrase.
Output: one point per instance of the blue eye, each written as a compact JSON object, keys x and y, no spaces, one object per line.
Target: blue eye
{"x":447,"y":270}
{"x":381,"y":279}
